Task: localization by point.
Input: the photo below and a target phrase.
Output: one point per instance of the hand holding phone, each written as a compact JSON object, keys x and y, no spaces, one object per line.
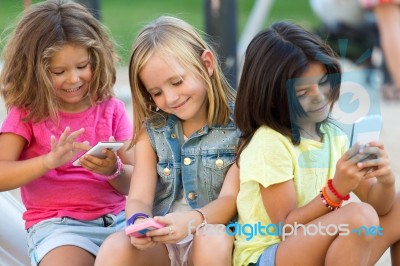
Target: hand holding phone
{"x":365,"y":130}
{"x":96,"y":150}
{"x":140,"y":229}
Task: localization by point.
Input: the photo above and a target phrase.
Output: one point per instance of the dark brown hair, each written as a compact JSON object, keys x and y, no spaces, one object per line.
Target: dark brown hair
{"x":265,"y":95}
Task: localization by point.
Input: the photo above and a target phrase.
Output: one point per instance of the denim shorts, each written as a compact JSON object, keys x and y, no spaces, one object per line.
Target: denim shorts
{"x":56,"y":232}
{"x":267,"y":258}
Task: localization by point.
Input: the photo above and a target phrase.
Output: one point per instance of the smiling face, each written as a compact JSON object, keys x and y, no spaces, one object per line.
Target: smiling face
{"x":312,"y":91}
{"x":71,"y":75}
{"x":175,"y":89}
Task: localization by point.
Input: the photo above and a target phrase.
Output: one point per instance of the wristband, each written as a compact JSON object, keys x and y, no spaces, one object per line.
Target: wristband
{"x":203,"y":214}
{"x":117,"y":172}
{"x":334,"y":191}
{"x":135,"y":216}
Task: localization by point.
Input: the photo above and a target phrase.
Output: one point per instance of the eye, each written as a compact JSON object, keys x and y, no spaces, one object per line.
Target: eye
{"x":324,"y":80}
{"x":57,"y":73}
{"x":155,"y":94}
{"x":179,"y":82}
{"x":301,"y":93}
{"x":83,"y":66}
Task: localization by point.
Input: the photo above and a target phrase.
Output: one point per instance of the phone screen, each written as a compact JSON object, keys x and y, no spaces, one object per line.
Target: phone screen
{"x":366,"y":129}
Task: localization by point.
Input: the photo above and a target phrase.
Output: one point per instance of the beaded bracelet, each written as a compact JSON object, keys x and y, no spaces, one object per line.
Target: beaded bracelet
{"x":331,"y":205}
{"x":329,"y":200}
{"x":117,"y":172}
{"x":203,"y":214}
{"x":326,"y":203}
{"x":334,"y":191}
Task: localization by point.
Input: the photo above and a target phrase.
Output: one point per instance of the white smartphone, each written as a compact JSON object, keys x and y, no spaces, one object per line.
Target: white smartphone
{"x":366,"y":129}
{"x":96,"y":150}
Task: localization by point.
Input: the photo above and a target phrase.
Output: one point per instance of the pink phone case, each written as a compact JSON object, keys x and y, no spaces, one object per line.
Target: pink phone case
{"x":139,"y":230}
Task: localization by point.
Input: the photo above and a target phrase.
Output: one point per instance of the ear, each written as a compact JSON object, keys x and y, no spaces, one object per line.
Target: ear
{"x":208,"y":60}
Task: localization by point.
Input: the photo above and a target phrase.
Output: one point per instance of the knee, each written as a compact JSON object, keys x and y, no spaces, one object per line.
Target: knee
{"x":213,"y":249}
{"x":114,"y":249}
{"x":362,"y":215}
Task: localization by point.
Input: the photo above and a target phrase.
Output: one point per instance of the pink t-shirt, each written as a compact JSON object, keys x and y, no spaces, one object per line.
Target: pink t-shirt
{"x":68,"y":190}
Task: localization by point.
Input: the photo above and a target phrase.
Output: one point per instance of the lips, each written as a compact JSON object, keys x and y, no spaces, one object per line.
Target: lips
{"x":73,"y":89}
{"x":321,"y":109}
{"x":180,"y":105}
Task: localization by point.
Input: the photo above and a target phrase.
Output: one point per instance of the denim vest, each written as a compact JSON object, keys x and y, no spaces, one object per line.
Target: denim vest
{"x":198,"y":166}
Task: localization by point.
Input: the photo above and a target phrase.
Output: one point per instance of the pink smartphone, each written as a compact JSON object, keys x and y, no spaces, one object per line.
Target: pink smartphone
{"x":139,"y":230}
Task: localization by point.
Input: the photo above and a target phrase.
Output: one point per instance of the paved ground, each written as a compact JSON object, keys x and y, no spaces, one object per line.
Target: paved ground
{"x":390,"y":134}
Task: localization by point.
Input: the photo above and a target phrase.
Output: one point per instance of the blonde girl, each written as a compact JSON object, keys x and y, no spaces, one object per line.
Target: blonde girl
{"x":185,"y":177}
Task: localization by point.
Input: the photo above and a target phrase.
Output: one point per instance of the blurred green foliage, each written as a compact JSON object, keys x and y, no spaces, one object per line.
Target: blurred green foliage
{"x":125,"y":17}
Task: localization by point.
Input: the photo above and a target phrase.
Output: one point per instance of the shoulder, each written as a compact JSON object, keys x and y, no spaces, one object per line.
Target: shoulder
{"x":333,"y":131}
{"x":268,"y":141}
{"x":112,"y":102}
{"x":270,"y":136}
{"x":17,"y":112}
{"x":162,"y":123}
{"x":335,"y":135}
{"x":15,"y":116}
{"x":112,"y":107}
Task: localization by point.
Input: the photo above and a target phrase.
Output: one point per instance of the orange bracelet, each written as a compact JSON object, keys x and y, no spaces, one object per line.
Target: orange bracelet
{"x":330,"y":201}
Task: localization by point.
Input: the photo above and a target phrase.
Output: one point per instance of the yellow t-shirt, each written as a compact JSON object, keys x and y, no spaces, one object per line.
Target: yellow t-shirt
{"x":271,"y":158}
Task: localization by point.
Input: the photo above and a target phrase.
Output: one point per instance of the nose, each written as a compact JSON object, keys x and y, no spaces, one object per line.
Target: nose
{"x":73,"y":76}
{"x":317,"y":92}
{"x":171,"y":97}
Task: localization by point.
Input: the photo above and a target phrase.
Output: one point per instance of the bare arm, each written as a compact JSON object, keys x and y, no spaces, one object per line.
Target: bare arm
{"x":17,"y":173}
{"x":144,"y":178}
{"x":219,"y":211}
{"x":281,"y":203}
{"x":223,"y":208}
{"x":14,"y":173}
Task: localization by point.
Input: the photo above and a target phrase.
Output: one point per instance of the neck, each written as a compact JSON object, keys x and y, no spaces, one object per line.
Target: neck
{"x":189,"y":127}
{"x":310,"y":134}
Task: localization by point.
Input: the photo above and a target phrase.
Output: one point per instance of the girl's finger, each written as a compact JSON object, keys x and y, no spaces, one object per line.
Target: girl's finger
{"x":74,"y":135}
{"x":163,"y":219}
{"x":63,"y":136}
{"x":375,"y":173}
{"x":351,"y":152}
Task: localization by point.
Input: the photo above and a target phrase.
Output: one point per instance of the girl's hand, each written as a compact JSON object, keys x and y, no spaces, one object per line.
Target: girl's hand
{"x":348,"y":173}
{"x":175,"y":230}
{"x":142,"y":243}
{"x":63,"y":150}
{"x":106,"y":166}
{"x":379,"y":166}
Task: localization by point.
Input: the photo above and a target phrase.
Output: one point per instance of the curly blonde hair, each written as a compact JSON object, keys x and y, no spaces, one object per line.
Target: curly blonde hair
{"x":42,"y":30}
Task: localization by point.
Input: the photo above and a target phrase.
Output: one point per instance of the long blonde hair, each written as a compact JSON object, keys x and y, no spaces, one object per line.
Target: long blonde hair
{"x":43,"y":29}
{"x":175,"y":37}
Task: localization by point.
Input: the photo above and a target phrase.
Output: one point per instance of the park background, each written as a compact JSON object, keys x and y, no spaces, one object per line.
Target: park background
{"x":124,"y":18}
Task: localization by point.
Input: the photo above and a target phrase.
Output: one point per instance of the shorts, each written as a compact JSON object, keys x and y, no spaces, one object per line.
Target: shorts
{"x":56,"y":232}
{"x":179,"y":253}
{"x":267,"y":258}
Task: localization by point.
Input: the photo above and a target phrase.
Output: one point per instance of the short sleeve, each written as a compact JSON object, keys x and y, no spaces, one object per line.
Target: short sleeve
{"x":268,"y":159}
{"x":123,"y":129}
{"x":13,"y":123}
